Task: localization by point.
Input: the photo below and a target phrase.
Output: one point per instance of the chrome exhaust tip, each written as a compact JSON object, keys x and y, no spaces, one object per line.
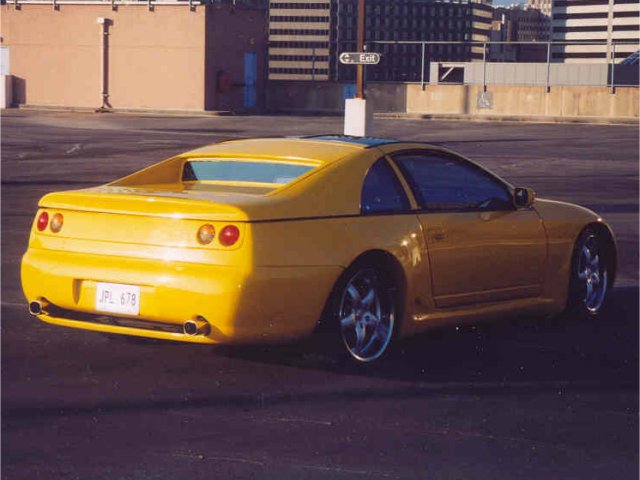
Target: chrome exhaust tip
{"x":199,"y":326}
{"x":35,"y":307}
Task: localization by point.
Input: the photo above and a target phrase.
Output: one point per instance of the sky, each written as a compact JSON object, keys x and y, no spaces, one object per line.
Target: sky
{"x":504,"y":3}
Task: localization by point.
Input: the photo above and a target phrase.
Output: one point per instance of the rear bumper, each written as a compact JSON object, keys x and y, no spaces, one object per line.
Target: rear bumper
{"x":240,"y":304}
{"x":150,"y":331}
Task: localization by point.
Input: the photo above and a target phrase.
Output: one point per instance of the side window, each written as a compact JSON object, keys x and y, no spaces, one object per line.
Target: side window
{"x":382,"y":191}
{"x":445,"y":183}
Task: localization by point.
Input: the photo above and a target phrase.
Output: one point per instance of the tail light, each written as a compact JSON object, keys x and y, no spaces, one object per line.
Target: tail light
{"x":229,"y":235}
{"x":206,"y":234}
{"x":56,"y":222}
{"x":43,"y":221}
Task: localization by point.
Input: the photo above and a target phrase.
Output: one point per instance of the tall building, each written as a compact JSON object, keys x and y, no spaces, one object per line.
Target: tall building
{"x":520,"y":24}
{"x":502,"y":30}
{"x":532,"y":25}
{"x":299,"y":39}
{"x":543,"y":5}
{"x":307,"y":36}
{"x":411,"y":20}
{"x":606,"y":22}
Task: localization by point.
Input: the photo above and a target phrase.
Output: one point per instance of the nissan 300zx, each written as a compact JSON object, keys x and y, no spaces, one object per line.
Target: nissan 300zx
{"x":266,"y":240}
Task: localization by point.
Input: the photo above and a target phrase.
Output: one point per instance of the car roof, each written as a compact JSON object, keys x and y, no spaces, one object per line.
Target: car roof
{"x":366,"y":142}
{"x":317,"y":149}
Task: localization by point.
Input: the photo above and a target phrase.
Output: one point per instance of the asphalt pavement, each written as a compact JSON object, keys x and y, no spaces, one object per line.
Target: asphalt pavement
{"x":528,"y":398}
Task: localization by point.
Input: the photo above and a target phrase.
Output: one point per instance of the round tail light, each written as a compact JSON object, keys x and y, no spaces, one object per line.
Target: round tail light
{"x":229,"y":235}
{"x":56,"y":222}
{"x":206,"y":234}
{"x":43,"y":221}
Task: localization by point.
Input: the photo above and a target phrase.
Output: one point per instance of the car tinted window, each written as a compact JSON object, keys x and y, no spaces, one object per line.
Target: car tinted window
{"x":243,"y":171}
{"x":445,"y":183}
{"x":382,"y":191}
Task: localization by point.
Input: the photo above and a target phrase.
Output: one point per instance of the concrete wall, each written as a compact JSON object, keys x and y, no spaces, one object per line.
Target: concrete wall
{"x":156,"y":59}
{"x":167,"y":58}
{"x":230,"y":33}
{"x":561,"y":101}
{"x":506,"y":100}
{"x":304,"y":96}
{"x":329,"y":96}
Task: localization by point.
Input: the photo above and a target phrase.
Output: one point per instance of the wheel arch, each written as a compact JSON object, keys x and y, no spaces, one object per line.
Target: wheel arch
{"x":388,"y":264}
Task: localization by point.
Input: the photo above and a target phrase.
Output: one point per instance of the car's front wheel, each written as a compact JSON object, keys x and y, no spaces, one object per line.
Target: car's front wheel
{"x":363,"y":312}
{"x":591,"y":273}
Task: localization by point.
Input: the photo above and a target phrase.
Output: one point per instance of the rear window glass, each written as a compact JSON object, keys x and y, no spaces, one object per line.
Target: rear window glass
{"x":241,"y":171}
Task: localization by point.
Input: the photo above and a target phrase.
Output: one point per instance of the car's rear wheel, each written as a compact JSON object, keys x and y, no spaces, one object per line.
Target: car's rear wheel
{"x":591,"y":273}
{"x":363,"y":312}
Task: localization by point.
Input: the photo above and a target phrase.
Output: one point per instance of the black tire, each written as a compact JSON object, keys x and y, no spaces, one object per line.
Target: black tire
{"x":592,"y":272}
{"x":361,"y":317}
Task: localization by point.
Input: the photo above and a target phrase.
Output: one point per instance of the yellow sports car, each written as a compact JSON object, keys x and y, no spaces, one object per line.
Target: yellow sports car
{"x":271,"y":239}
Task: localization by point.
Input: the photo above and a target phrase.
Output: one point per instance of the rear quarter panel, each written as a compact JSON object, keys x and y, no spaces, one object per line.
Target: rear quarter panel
{"x":331,"y":245}
{"x":319,"y":232}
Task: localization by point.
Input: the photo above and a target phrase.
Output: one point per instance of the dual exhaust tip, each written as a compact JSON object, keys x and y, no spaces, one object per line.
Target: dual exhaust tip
{"x":198,"y":326}
{"x":35,"y":307}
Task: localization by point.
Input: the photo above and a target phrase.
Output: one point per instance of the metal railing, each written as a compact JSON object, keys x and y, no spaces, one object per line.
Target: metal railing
{"x":491,"y":53}
{"x":150,"y":4}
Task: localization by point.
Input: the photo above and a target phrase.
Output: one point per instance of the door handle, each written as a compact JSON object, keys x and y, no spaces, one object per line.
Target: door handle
{"x":436,"y":234}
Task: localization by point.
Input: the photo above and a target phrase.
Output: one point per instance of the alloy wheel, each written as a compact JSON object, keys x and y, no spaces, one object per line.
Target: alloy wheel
{"x":592,"y":274}
{"x":367,"y":316}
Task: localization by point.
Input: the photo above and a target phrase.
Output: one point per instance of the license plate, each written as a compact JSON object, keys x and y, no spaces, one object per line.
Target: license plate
{"x":118,"y":298}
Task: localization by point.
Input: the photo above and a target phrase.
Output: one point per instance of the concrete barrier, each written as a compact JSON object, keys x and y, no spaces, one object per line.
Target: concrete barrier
{"x":510,"y":100}
{"x":292,"y":96}
{"x":460,"y":100}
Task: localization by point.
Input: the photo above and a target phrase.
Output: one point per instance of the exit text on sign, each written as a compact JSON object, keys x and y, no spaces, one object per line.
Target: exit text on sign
{"x":359,"y":58}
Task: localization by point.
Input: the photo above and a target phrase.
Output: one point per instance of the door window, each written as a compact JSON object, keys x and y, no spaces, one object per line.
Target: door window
{"x":382,"y":191}
{"x":448,"y":183}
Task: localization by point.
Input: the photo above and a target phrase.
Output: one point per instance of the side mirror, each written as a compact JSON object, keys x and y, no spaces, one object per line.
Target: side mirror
{"x":523,"y":197}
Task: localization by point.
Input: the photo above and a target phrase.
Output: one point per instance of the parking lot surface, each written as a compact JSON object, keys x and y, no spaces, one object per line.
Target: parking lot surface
{"x":528,"y":398}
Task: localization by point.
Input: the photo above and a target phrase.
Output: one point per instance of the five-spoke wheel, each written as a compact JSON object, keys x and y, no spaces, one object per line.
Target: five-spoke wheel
{"x":366,"y":313}
{"x":590,"y":278}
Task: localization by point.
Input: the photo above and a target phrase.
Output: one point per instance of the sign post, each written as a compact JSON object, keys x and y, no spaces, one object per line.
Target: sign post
{"x":360,"y":48}
{"x":358,"y":115}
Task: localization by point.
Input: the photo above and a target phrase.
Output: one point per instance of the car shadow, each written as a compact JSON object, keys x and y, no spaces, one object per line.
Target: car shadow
{"x":521,"y":357}
{"x":517,"y":354}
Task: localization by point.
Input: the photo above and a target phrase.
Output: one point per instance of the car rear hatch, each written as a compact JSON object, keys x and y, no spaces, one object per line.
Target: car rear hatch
{"x":139,"y":222}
